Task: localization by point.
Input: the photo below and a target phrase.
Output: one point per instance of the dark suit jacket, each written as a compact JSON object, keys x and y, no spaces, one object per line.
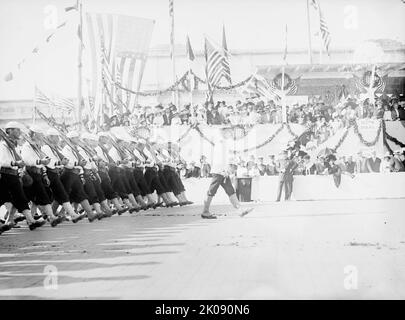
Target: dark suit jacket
{"x":374,"y":165}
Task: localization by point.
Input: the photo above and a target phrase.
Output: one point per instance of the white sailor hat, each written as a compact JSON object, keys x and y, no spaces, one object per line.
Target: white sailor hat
{"x":37,"y":128}
{"x":52,"y":132}
{"x":387,"y":155}
{"x":89,"y":136}
{"x":14,"y":125}
{"x":103,"y":134}
{"x":72,"y":134}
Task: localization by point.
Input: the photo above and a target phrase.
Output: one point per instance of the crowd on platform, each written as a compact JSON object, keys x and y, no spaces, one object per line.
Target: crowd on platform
{"x":362,"y":162}
{"x":255,"y":111}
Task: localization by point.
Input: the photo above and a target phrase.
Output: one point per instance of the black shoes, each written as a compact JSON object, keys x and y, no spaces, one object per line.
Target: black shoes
{"x":78,"y":218}
{"x":36,"y":224}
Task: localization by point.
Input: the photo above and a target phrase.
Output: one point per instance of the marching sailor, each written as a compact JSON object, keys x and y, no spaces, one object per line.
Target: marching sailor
{"x":117,"y":174}
{"x":54,"y":170}
{"x":12,"y":175}
{"x":87,"y":152}
{"x":103,"y":161}
{"x":35,"y":161}
{"x":73,"y":178}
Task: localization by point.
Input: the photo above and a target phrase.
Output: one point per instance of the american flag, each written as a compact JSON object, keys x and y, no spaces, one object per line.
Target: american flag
{"x":215,"y":67}
{"x":323,"y":27}
{"x":259,"y":86}
{"x":41,"y":98}
{"x":226,"y":56}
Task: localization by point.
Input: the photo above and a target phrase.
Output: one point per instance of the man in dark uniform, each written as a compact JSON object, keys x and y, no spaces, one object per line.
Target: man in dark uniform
{"x":286,"y":166}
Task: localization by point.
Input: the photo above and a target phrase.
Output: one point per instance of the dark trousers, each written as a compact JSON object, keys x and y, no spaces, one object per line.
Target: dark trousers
{"x":140,"y":180}
{"x":73,"y":186}
{"x":287,"y":182}
{"x":99,"y":190}
{"x":14,"y":192}
{"x":38,"y":192}
{"x":153,"y":181}
{"x":58,"y":190}
{"x":107,"y":186}
{"x":117,"y":182}
{"x":129,"y":175}
{"x":90,"y":189}
{"x":173,"y":180}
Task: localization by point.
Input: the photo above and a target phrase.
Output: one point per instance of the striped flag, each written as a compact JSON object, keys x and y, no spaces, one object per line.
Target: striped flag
{"x":259,"y":86}
{"x":64,"y":103}
{"x":215,"y":69}
{"x":41,"y":98}
{"x":226,"y":56}
{"x":323,"y":27}
{"x":118,"y":47}
{"x":100,"y":30}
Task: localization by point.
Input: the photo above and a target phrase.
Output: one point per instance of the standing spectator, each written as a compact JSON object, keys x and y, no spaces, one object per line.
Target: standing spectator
{"x":261,"y":166}
{"x":379,"y":110}
{"x":309,"y":166}
{"x":271,"y":166}
{"x":361,"y":163}
{"x":350,"y":165}
{"x":398,"y":165}
{"x":205,"y":167}
{"x":387,"y":113}
{"x":396,"y":112}
{"x":167,"y":117}
{"x":158,"y":119}
{"x":386,"y":163}
{"x":373,"y":163}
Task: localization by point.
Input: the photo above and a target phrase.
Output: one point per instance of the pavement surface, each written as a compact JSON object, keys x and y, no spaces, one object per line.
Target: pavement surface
{"x":288,"y":250}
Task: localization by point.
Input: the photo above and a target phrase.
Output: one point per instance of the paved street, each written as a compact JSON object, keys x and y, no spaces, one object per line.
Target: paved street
{"x":310,"y":249}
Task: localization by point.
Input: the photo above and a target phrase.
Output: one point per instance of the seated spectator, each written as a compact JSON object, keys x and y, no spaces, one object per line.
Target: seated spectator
{"x":320,"y":165}
{"x":397,"y":112}
{"x":309,"y":166}
{"x":271,"y":166}
{"x":386,"y":162}
{"x":176,"y":120}
{"x":373,"y":163}
{"x":242,"y":169}
{"x":361,"y":163}
{"x":350,"y":165}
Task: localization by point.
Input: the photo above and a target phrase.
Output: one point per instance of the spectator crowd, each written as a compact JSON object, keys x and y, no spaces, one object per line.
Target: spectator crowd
{"x":255,"y":111}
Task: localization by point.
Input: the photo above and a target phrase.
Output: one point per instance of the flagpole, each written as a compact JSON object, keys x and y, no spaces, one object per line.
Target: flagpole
{"x":309,"y":34}
{"x":79,"y":66}
{"x":191,"y":80}
{"x":284,"y":106}
{"x":372,"y":83}
{"x":175,"y":93}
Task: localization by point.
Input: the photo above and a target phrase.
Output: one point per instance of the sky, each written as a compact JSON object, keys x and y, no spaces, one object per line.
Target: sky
{"x":250,"y":25}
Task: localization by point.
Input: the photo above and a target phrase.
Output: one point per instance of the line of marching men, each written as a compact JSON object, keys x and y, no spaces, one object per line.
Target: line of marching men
{"x":71,"y":176}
